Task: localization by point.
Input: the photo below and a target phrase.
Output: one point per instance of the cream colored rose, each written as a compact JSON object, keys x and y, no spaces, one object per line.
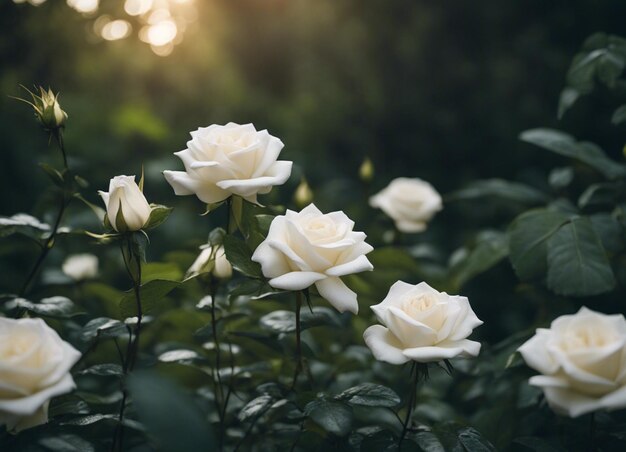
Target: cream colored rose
{"x":125,"y":194}
{"x":234,"y":159}
{"x":81,"y":266}
{"x":213,"y":262}
{"x":309,"y":247}
{"x":423,"y":325}
{"x":411,"y":203}
{"x":582,"y":359}
{"x":35,"y":366}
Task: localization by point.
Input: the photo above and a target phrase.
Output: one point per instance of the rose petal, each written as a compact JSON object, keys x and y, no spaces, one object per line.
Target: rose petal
{"x":360,"y":264}
{"x":384,"y":346}
{"x":296,"y":280}
{"x":338,"y":294}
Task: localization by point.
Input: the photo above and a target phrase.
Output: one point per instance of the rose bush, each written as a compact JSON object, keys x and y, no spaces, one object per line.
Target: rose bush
{"x":126,"y":206}
{"x":582,"y":359}
{"x":35,"y":366}
{"x":234,"y":159}
{"x":81,"y":266}
{"x":423,"y":325}
{"x":411,"y":203}
{"x":310,"y":247}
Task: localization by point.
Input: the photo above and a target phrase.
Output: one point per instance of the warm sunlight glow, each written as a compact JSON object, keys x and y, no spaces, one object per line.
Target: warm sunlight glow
{"x":114,"y":30}
{"x":137,"y":7}
{"x":84,"y":6}
{"x":161,"y":33}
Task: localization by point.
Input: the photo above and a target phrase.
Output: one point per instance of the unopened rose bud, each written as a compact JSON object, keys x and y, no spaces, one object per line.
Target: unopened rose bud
{"x":127,"y":207}
{"x":211,"y":262}
{"x":303,"y":195}
{"x":366,"y":171}
{"x":48,"y":110}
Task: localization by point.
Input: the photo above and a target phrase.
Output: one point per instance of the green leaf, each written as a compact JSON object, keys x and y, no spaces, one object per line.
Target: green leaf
{"x":285,"y":321}
{"x":24,"y":224}
{"x":599,"y":195}
{"x":104,"y":370}
{"x":370,"y":394}
{"x":160,"y":270}
{"x":151,"y":293}
{"x":490,"y":248}
{"x":239,"y":255}
{"x":510,"y":191}
{"x":334,"y":417}
{"x":169,"y":414}
{"x":473,"y":441}
{"x":561,"y":177}
{"x":66,"y":443}
{"x":255,"y":407}
{"x":179,"y":356}
{"x":619,"y":115}
{"x":158,"y":215}
{"x":528,"y":235}
{"x":55,"y":175}
{"x":567,"y":99}
{"x":577,"y":262}
{"x":609,"y":230}
{"x":566,"y":145}
{"x":537,"y":444}
{"x":59,"y":307}
{"x":428,"y":442}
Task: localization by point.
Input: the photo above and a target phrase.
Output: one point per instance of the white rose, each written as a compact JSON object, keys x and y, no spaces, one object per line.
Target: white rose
{"x":234,"y":159}
{"x":583,"y":361}
{"x":221,"y":267}
{"x":411,"y":203}
{"x":125,"y":193}
{"x":310,"y":247}
{"x":81,"y":266}
{"x":35,"y":366}
{"x":423,"y":325}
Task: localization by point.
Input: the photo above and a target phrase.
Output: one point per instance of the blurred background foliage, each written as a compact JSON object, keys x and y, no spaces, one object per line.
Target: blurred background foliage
{"x":436,"y":90}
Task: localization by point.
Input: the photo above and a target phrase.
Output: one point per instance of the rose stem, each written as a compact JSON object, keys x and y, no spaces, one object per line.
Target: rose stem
{"x":411,"y":403}
{"x":133,"y":345}
{"x":50,"y":240}
{"x":217,"y":379}
{"x":298,"y":341}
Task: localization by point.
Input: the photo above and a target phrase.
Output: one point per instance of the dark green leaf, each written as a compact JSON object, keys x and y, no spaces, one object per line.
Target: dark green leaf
{"x":619,"y":115}
{"x":255,"y":407}
{"x":169,"y":414}
{"x":599,"y":195}
{"x":528,"y":235}
{"x":577,"y":262}
{"x":334,"y":417}
{"x":285,"y":321}
{"x":55,"y":175}
{"x":160,"y":270}
{"x":473,"y":441}
{"x":103,"y":327}
{"x":511,"y":191}
{"x":239,"y":255}
{"x":151,"y":293}
{"x":609,"y":230}
{"x":490,"y":248}
{"x":66,"y":443}
{"x":564,"y":144}
{"x":61,"y":307}
{"x":104,"y":370}
{"x":24,"y":224}
{"x":370,"y":394}
{"x":561,"y":177}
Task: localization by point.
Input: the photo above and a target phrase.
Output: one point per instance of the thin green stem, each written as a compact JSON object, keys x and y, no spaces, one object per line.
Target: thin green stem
{"x":45,"y":250}
{"x":132,"y":351}
{"x":298,"y":340}
{"x":411,"y":403}
{"x":58,"y":136}
{"x":218,"y":389}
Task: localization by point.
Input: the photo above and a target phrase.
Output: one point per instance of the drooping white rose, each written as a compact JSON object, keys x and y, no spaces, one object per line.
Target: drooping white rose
{"x":125,"y":193}
{"x":582,"y":359}
{"x":411,"y":203}
{"x":221,"y":268}
{"x":35,"y":366}
{"x":309,"y":247}
{"x":234,"y":159}
{"x":423,"y":325}
{"x":80,"y":266}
